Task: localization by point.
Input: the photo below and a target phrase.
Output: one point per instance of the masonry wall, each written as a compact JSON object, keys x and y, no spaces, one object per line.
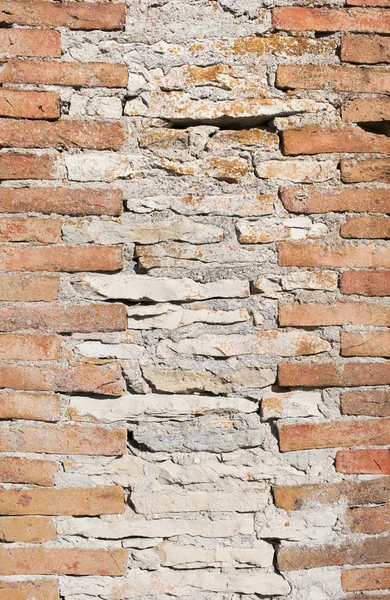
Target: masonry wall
{"x":194,"y":300}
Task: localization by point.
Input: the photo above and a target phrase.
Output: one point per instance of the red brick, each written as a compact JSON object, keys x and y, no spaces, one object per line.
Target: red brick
{"x":376,"y":462}
{"x":367,"y":597}
{"x":375,"y":578}
{"x":367,"y":109}
{"x":104,"y":500}
{"x":30,"y":406}
{"x":334,"y":434}
{"x":62,"y":200}
{"x":373,"y":519}
{"x":366,"y":228}
{"x":372,"y":491}
{"x":64,"y":319}
{"x":29,"y":346}
{"x":296,"y":18}
{"x":365,"y":343}
{"x":32,"y":229}
{"x":341,"y":374}
{"x":66,"y":133}
{"x":62,"y":561}
{"x":29,"y":42}
{"x":365,"y":49}
{"x":31,"y":530}
{"x":304,"y":199}
{"x":384,"y":3}
{"x":341,"y":78}
{"x":29,"y":104}
{"x":314,"y":140}
{"x":14,"y":469}
{"x":29,"y":288}
{"x":315,"y":255}
{"x":73,"y":15}
{"x":70,"y":259}
{"x":74,"y":74}
{"x":373,"y":169}
{"x":44,"y":589}
{"x":27,"y":166}
{"x":367,"y":551}
{"x":313,"y":314}
{"x":98,"y":379}
{"x":374,"y":403}
{"x":366,"y":283}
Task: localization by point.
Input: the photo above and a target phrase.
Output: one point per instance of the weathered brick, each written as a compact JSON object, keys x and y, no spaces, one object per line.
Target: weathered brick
{"x":334,"y":374}
{"x":61,"y":258}
{"x":102,"y":500}
{"x":314,"y":255}
{"x":384,"y":3}
{"x":74,"y":74}
{"x":374,"y":403}
{"x":373,"y":519}
{"x":375,"y":578}
{"x":376,"y":462}
{"x":297,"y":18}
{"x":363,"y":110}
{"x":365,"y":343}
{"x":366,"y":228}
{"x":32,"y":229}
{"x":301,"y":199}
{"x":14,"y":469}
{"x":367,"y":551}
{"x":31,"y":530}
{"x":29,"y":346}
{"x":61,"y":134}
{"x":372,"y":169}
{"x":372,"y":491}
{"x":365,"y":49}
{"x":314,"y":140}
{"x":62,"y":200}
{"x":29,"y":288}
{"x":73,"y":15}
{"x":44,"y":589}
{"x":333,"y":434}
{"x":366,"y":283}
{"x":14,"y":165}
{"x":64,"y":319}
{"x":30,"y":406}
{"x":343,"y":79}
{"x":29,"y":42}
{"x":62,"y":561}
{"x":98,"y":379}
{"x":313,"y":314}
{"x":29,"y":104}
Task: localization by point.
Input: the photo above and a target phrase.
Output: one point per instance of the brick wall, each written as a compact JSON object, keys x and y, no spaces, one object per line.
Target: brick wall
{"x":194,"y":300}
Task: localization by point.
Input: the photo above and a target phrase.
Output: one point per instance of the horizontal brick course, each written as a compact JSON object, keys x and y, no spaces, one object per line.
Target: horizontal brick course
{"x":44,"y":589}
{"x":30,"y":530}
{"x":340,"y":374}
{"x":29,"y":288}
{"x":294,"y":18}
{"x":15,"y":165}
{"x":374,"y":403}
{"x":344,"y":255}
{"x":366,"y":283}
{"x":372,"y":169}
{"x":365,"y":49}
{"x":375,"y":578}
{"x":340,"y":78}
{"x":14,"y":469}
{"x":335,"y":199}
{"x":29,"y":42}
{"x":314,"y":140}
{"x":338,"y":313}
{"x":366,"y":228}
{"x":373,"y":519}
{"x":29,"y":105}
{"x":365,"y":343}
{"x":375,"y":462}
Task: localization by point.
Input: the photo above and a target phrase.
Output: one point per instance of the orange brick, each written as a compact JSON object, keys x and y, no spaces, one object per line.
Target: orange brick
{"x":62,"y":561}
{"x":366,"y":228}
{"x":384,"y":3}
{"x":372,"y":169}
{"x":372,"y":491}
{"x":70,"y":259}
{"x":27,"y":166}
{"x":64,"y":319}
{"x":375,"y":578}
{"x":304,"y":199}
{"x":365,"y":343}
{"x":29,"y":42}
{"x":29,"y":346}
{"x":374,"y":403}
{"x":32,"y":229}
{"x":30,"y":406}
{"x":296,"y":18}
{"x":316,"y":255}
{"x":373,"y":519}
{"x":44,"y":589}
{"x":334,"y":434}
{"x":74,"y":74}
{"x":338,"y":313}
{"x":62,"y":200}
{"x":73,"y":15}
{"x":31,"y":530}
{"x":341,"y":374}
{"x":14,"y":469}
{"x":376,"y":462}
{"x":97,"y":379}
{"x":29,"y":288}
{"x":314,"y":140}
{"x":104,"y":500}
{"x":366,"y":283}
{"x":343,"y":78}
{"x":365,"y":49}
{"x":66,"y":133}
{"x":363,"y":109}
{"x":30,"y":105}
